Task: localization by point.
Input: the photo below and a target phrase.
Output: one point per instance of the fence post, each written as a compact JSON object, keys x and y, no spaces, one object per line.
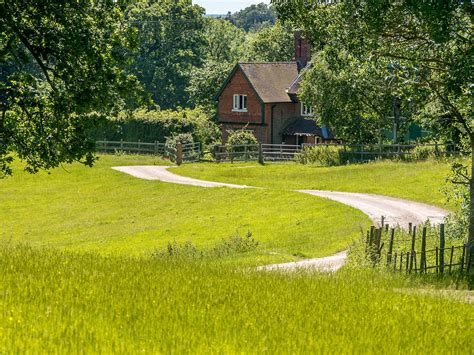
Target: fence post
{"x":390,"y":246}
{"x":179,"y":154}
{"x":217,"y":156}
{"x":423,"y":251}
{"x":441,"y":248}
{"x":105,"y":145}
{"x":260,"y":154}
{"x":451,"y":258}
{"x":412,"y":250}
{"x":121,"y":144}
{"x":246,"y":154}
{"x":155,"y":148}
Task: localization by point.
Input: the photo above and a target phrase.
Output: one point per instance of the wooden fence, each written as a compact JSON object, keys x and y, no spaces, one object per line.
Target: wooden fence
{"x":178,"y":153}
{"x":259,"y":152}
{"x":269,"y":152}
{"x":416,"y":252}
{"x":350,"y":152}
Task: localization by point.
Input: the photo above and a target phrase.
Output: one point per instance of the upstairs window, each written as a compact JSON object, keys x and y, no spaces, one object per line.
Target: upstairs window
{"x":306,"y":110}
{"x":240,"y":103}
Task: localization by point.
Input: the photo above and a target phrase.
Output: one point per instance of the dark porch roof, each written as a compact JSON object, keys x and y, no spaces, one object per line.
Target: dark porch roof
{"x":307,"y":127}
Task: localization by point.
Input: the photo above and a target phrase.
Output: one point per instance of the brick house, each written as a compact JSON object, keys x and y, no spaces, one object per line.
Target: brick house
{"x":262,"y":97}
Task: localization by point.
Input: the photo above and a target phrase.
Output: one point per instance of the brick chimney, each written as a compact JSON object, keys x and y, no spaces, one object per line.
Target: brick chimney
{"x":302,"y":49}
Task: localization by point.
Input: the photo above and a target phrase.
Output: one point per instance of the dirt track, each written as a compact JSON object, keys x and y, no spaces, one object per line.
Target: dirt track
{"x":395,"y":211}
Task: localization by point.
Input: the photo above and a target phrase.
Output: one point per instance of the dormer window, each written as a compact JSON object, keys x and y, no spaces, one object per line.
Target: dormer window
{"x":306,"y":110}
{"x":240,"y":103}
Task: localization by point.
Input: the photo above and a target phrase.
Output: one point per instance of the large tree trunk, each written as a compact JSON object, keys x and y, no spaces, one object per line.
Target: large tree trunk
{"x":470,"y":240}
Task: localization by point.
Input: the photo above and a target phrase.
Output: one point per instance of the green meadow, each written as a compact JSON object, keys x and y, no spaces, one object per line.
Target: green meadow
{"x":418,"y":181}
{"x":80,"y":272}
{"x":106,"y":211}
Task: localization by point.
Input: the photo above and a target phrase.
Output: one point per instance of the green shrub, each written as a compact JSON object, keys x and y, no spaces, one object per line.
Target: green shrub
{"x":228,"y":247}
{"x":156,"y":125}
{"x":183,"y":138}
{"x":421,"y":152}
{"x":322,"y":156}
{"x":242,"y":144}
{"x":241,"y":137}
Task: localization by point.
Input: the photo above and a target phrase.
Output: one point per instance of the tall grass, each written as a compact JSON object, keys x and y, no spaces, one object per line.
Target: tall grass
{"x":61,"y":302}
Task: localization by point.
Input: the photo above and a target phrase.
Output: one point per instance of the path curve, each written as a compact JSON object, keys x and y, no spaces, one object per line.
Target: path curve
{"x":161,"y":173}
{"x":395,"y":211}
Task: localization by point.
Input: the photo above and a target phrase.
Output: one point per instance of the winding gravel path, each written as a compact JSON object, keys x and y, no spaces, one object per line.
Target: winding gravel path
{"x":161,"y":173}
{"x":395,"y":211}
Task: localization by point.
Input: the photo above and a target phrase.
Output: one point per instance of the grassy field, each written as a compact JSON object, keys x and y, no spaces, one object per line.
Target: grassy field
{"x":420,"y":181}
{"x":78,"y":273}
{"x":103,"y":210}
{"x":61,"y":302}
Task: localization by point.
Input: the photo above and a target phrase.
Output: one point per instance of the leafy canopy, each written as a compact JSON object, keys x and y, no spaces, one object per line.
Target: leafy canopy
{"x":61,"y":69}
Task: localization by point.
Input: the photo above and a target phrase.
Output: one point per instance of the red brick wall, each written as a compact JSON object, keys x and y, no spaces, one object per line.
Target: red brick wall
{"x":238,"y":84}
{"x":283,"y":115}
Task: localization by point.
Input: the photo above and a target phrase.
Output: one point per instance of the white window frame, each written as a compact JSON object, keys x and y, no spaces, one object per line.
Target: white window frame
{"x":306,"y":110}
{"x":240,"y":103}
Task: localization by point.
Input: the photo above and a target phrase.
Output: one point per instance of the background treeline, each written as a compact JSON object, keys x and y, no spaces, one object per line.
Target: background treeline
{"x":182,"y":59}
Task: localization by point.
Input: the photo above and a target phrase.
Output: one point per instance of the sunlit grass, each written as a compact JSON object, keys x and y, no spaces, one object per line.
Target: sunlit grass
{"x":420,"y":181}
{"x":57,"y":302}
{"x":100,"y":209}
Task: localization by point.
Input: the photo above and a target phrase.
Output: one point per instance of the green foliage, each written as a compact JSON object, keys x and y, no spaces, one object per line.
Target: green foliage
{"x":421,"y":153}
{"x":427,"y":44}
{"x":457,"y":193}
{"x":322,"y":156}
{"x":158,"y":125}
{"x":225,"y":45}
{"x":183,"y":138}
{"x":87,"y":303}
{"x":171,"y":38}
{"x":227,"y":247}
{"x":254,"y":17}
{"x":241,"y":137}
{"x":61,"y":71}
{"x":272,"y":44}
{"x":353,"y":97}
{"x":242,"y":144}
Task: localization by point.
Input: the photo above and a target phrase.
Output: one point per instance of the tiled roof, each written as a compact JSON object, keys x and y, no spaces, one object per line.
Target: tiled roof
{"x":307,"y":127}
{"x":271,"y":80}
{"x":295,"y":85}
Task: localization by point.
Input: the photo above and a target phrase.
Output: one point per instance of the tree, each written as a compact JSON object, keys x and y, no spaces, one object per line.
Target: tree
{"x":355,"y":98}
{"x":224,"y":45}
{"x":430,"y":40}
{"x":271,"y":44}
{"x":254,"y":17}
{"x":61,"y":69}
{"x":170,"y":35}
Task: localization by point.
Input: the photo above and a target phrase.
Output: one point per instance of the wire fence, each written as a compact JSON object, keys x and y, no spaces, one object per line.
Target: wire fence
{"x":417,"y":252}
